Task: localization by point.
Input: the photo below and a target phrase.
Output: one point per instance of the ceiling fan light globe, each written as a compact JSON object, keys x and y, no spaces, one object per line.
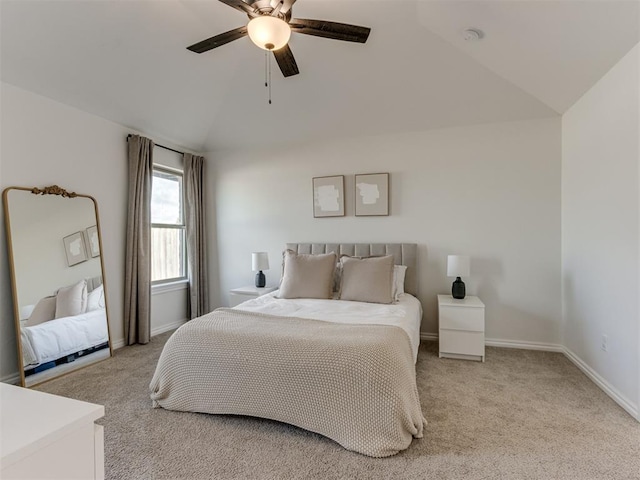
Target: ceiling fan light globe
{"x":269,"y":33}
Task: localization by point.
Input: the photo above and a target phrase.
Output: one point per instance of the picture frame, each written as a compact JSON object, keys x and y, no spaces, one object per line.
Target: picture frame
{"x":328,"y":196}
{"x":93,"y":241}
{"x":75,"y":249}
{"x":372,"y":194}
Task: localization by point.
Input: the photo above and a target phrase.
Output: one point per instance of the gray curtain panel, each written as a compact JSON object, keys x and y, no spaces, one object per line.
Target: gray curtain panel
{"x":137,"y":285}
{"x":196,"y":235}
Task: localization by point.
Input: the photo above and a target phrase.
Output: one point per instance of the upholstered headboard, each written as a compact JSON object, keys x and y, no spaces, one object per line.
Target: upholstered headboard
{"x":403,"y":253}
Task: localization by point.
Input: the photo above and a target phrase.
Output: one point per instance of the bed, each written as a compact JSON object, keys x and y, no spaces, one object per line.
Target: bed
{"x":342,"y":368}
{"x":53,"y":341}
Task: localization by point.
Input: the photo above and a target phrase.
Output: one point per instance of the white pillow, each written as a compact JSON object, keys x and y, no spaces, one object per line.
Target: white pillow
{"x":95,"y":299}
{"x":72,"y":300}
{"x":399,"y":271}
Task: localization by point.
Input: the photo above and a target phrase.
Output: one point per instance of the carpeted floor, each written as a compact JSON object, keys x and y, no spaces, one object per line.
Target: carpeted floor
{"x":520,"y":415}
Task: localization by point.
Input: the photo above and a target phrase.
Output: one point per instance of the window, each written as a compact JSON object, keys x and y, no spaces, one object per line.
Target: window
{"x":168,"y":253}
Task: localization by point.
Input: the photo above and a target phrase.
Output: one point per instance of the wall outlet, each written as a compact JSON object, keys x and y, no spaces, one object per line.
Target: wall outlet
{"x":604,"y":343}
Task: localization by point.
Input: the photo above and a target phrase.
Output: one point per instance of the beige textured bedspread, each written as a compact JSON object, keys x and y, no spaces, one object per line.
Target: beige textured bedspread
{"x":352,"y":383}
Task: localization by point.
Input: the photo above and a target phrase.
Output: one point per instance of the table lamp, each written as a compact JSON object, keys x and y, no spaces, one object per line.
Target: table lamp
{"x":458,"y":266}
{"x":260,"y":262}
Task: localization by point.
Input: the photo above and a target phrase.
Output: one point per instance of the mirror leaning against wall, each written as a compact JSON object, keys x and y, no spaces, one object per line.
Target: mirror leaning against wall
{"x":57,"y":276}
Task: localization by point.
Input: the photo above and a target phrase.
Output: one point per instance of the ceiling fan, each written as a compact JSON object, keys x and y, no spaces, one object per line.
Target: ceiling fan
{"x":270,"y":26}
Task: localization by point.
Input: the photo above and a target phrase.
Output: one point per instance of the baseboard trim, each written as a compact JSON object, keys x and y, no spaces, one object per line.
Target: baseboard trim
{"x":13,"y":379}
{"x":543,"y":347}
{"x":116,"y":344}
{"x":429,"y":337}
{"x":167,"y":327}
{"x":605,"y":386}
{"x":494,"y":342}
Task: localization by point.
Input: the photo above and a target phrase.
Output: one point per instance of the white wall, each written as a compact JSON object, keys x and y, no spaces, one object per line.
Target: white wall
{"x":600,"y":230}
{"x":44,"y":143}
{"x":490,"y":191}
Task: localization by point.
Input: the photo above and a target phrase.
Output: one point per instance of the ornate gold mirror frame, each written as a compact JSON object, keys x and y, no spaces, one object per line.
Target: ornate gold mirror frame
{"x":55,"y":249}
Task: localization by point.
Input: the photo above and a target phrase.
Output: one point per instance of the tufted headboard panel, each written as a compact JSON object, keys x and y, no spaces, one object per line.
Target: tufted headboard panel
{"x":403,"y":253}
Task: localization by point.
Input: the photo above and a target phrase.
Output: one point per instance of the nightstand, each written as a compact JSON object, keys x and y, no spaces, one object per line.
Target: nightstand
{"x":461,"y":327}
{"x":242,"y":294}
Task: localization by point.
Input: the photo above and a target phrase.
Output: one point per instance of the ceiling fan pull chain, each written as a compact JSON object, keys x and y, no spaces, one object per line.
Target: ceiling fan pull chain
{"x":266,"y":53}
{"x":269,"y":79}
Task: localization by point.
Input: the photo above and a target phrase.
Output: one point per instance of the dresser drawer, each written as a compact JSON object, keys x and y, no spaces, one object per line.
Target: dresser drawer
{"x":463,"y":343}
{"x":461,"y":318}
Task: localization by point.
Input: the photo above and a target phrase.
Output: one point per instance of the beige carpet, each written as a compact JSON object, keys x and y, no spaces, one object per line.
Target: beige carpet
{"x":520,"y":415}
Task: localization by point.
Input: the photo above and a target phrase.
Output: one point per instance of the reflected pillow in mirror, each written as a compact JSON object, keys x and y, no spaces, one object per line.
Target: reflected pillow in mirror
{"x":44,"y":311}
{"x":95,"y":299}
{"x":72,"y":300}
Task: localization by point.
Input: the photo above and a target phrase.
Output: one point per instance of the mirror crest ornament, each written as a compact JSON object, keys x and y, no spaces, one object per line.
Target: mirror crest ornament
{"x":57,"y":275}
{"x":53,"y":190}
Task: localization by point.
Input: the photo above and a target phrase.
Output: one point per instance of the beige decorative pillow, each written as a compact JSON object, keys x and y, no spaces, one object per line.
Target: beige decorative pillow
{"x":307,"y":276}
{"x":44,"y":311}
{"x":367,"y":279}
{"x":71,"y":300}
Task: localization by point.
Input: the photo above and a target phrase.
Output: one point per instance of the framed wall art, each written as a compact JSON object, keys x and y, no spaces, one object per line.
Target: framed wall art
{"x":74,"y":249}
{"x":372,"y":194}
{"x":93,"y":244}
{"x":328,"y":196}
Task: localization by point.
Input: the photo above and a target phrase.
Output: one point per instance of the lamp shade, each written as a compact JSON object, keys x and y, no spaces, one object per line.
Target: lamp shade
{"x":259,"y":261}
{"x":269,"y":33}
{"x":458,"y":266}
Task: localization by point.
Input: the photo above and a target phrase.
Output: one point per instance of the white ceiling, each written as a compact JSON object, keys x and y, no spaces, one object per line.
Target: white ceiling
{"x":126,"y":60}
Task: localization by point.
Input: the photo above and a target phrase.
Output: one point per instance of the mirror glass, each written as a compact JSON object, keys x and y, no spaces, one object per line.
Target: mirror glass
{"x":57,"y":273}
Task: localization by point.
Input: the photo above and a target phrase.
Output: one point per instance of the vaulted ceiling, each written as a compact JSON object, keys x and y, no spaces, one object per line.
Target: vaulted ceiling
{"x":126,"y":60}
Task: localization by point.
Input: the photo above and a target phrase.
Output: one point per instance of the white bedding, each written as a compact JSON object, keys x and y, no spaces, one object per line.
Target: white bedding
{"x":406,"y":313}
{"x":63,"y":336}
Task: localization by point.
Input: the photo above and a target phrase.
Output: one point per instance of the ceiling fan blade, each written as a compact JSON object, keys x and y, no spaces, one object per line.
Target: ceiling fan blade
{"x":337,"y":31}
{"x":286,"y":62}
{"x":218,"y":40}
{"x":240,"y":5}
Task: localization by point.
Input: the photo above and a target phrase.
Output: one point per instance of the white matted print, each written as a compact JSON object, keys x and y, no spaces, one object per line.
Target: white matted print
{"x":93,"y":244}
{"x":372,"y":194}
{"x":328,"y":196}
{"x":75,"y":249}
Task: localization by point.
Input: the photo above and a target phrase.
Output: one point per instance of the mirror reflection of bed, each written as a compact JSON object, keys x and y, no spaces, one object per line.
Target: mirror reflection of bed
{"x":59,"y":295}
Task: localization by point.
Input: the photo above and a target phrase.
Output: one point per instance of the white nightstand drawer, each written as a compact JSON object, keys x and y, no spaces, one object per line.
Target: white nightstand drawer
{"x":463,"y":343}
{"x":461,"y":318}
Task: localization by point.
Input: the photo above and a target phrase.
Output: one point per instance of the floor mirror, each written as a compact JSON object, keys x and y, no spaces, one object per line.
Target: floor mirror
{"x":57,"y":274}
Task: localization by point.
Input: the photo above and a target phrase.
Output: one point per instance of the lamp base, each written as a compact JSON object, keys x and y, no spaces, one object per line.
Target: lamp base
{"x":458,"y":289}
{"x":261,"y":280}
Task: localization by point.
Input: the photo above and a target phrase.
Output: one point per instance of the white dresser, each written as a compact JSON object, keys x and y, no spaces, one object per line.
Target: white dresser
{"x":45,"y":436}
{"x":461,"y":327}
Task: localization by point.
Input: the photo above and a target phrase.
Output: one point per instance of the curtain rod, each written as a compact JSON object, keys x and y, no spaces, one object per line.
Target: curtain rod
{"x":158,"y":145}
